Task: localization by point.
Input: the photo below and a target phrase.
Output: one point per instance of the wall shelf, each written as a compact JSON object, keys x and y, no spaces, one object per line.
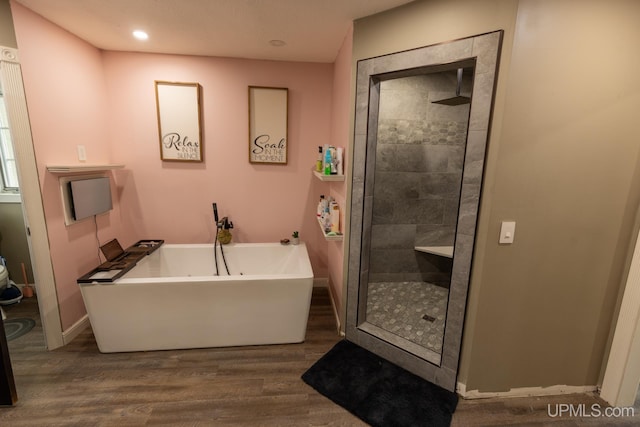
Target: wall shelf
{"x":330,"y":178}
{"x":82,"y":168}
{"x":330,"y":237}
{"x":445,"y":251}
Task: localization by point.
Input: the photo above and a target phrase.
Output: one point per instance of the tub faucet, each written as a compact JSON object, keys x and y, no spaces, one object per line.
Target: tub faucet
{"x":225,"y":224}
{"x":222,"y":224}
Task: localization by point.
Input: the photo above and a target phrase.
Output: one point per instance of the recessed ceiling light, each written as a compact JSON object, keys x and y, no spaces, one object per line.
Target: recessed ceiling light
{"x":277,"y":43}
{"x":140,"y":35}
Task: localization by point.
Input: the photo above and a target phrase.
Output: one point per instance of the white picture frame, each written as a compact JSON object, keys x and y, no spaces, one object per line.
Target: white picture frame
{"x":268,"y":123}
{"x":179,"y":121}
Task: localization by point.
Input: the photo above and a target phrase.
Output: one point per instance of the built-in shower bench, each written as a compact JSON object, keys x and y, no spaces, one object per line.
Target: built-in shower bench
{"x":445,"y":251}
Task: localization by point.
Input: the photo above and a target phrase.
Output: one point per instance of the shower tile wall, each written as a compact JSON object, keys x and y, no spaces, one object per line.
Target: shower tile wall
{"x":419,"y":156}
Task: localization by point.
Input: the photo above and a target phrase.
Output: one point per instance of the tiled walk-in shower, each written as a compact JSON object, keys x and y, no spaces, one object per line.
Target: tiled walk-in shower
{"x":415,"y":311}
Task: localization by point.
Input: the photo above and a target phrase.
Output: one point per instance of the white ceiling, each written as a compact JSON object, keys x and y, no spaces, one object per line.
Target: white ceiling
{"x":312,"y":29}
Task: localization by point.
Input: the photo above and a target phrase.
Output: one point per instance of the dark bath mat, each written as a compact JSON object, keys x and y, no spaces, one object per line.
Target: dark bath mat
{"x":15,"y":328}
{"x":379,"y":392}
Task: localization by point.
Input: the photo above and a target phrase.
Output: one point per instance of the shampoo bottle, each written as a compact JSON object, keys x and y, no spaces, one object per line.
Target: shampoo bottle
{"x":339,"y":160}
{"x":327,"y":161}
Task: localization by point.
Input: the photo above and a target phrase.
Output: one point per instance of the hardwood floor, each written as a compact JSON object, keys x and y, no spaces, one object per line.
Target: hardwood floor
{"x":242,"y":386}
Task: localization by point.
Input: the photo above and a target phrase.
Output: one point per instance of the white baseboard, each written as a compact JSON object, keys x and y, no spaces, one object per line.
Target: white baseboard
{"x":335,"y":310}
{"x":75,"y":329}
{"x":523,"y":391}
{"x":323,"y":282}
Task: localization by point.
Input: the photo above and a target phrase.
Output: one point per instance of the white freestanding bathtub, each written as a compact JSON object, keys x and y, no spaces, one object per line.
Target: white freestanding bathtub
{"x":172,"y":299}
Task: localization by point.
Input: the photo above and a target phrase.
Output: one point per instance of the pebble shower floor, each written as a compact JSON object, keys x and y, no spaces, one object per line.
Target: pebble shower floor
{"x":415,"y":311}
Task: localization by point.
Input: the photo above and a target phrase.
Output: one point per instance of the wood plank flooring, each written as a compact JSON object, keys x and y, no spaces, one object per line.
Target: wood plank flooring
{"x":240,"y":386}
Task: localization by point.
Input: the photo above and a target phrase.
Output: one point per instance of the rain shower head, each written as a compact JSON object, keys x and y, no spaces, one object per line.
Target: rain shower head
{"x":458,"y":99}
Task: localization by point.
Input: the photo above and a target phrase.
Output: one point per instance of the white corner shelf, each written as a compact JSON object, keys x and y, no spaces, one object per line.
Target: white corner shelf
{"x":445,"y":251}
{"x":82,"y":168}
{"x":329,"y":178}
{"x":331,"y":237}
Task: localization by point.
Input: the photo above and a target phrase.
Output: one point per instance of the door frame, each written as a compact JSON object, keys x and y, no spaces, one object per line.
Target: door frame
{"x":31,"y":195}
{"x":622,"y":372}
{"x":484,"y":51}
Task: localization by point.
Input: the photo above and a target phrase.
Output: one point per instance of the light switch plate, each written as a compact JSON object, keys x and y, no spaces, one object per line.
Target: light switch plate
{"x":82,"y":153}
{"x":507,"y":232}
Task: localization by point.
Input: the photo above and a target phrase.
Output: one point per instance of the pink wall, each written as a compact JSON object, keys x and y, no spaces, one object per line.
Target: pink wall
{"x":67,"y":101}
{"x":106,"y":101}
{"x":340,"y":131}
{"x":173,"y":200}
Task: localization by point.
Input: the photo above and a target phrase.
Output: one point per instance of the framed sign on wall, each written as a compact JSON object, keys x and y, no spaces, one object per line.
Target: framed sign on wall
{"x":268,"y":109}
{"x":179,"y":126}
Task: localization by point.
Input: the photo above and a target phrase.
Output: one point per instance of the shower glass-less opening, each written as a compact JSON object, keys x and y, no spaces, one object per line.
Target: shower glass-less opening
{"x":417,"y":179}
{"x":421,"y":128}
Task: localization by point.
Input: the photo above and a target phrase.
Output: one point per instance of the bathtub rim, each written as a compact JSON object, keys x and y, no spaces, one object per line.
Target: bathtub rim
{"x":307,"y":274}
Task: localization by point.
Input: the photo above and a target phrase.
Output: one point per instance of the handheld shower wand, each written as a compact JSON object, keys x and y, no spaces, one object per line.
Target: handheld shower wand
{"x":215,"y":240}
{"x":224,"y":225}
{"x":215,"y":213}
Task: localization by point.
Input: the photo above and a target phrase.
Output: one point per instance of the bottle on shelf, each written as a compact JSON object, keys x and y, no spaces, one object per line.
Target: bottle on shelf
{"x":334,"y":161}
{"x":327,"y":161}
{"x":319,"y":161}
{"x":326,"y":207}
{"x":320,"y":209}
{"x":325,"y":219}
{"x":335,"y":218}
